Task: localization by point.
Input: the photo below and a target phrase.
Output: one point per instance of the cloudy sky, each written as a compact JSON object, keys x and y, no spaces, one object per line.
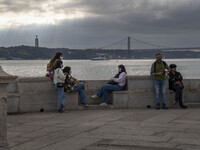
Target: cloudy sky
{"x":95,"y":23}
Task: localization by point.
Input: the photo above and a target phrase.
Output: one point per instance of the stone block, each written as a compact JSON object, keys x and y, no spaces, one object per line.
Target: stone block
{"x":141,"y":98}
{"x":120,"y":99}
{"x":72,"y":101}
{"x":13,"y":101}
{"x":36,"y":84}
{"x":30,"y":102}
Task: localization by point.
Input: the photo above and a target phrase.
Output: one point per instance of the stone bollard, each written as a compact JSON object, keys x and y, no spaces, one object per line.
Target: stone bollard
{"x":4,"y":81}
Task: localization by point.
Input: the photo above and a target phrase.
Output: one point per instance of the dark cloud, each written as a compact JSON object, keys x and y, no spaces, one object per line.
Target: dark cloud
{"x":164,"y":22}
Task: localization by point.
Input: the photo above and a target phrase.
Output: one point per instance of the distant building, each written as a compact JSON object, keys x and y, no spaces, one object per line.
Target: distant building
{"x":36,"y":41}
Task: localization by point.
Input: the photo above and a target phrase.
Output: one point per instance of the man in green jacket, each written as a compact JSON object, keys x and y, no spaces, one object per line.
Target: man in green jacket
{"x":158,"y":72}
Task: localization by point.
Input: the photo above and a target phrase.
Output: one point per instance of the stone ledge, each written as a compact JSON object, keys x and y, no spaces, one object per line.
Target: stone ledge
{"x":33,"y":79}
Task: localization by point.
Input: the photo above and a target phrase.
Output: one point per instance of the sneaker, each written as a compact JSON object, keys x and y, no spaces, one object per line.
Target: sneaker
{"x":103,"y":104}
{"x":94,"y":96}
{"x":164,"y":106}
{"x":158,"y":106}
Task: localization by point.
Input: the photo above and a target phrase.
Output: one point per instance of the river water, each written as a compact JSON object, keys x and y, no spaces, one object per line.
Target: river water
{"x":99,"y":70}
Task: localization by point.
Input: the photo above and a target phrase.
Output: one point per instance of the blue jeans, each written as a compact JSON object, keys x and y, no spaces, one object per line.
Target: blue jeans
{"x":81,"y":90}
{"x":160,"y":86}
{"x":106,"y":89}
{"x":61,"y":97}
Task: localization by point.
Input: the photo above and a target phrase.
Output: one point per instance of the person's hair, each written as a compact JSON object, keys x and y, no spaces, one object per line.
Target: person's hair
{"x":172,"y":66}
{"x":123,"y":69}
{"x":56,"y":56}
{"x":66,"y":69}
{"x":158,"y":54}
{"x":58,"y":64}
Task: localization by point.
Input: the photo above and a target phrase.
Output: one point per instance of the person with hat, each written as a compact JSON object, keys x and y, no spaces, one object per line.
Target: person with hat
{"x":175,"y":84}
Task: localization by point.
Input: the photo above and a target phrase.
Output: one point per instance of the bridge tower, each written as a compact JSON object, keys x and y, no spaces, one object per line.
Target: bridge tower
{"x":129,"y":48}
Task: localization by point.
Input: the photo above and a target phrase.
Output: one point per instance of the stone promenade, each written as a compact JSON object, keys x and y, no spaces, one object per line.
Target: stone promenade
{"x":123,"y":129}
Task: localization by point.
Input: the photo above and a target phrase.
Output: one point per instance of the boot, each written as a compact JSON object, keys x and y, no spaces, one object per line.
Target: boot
{"x":164,"y":106}
{"x":157,"y":106}
{"x":183,"y":106}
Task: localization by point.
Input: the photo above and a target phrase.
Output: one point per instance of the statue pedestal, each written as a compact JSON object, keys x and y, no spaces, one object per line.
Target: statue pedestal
{"x":5,"y":79}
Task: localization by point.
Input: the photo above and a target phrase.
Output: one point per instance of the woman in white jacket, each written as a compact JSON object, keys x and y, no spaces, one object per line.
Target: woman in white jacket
{"x":59,"y":79}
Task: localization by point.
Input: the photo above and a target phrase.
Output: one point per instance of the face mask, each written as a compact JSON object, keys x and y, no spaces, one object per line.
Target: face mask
{"x":61,"y":58}
{"x":119,"y":70}
{"x":62,"y":66}
{"x":70,"y":73}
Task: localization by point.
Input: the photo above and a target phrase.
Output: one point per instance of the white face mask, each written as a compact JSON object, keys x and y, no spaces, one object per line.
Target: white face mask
{"x":61,"y":58}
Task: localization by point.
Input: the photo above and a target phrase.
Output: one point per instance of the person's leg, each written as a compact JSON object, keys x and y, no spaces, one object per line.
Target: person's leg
{"x":109,"y":88}
{"x":63,"y":96}
{"x":177,"y":90}
{"x":157,"y":90}
{"x":80,"y":89}
{"x":163,"y":87}
{"x":60,"y":97}
{"x":101,"y":91}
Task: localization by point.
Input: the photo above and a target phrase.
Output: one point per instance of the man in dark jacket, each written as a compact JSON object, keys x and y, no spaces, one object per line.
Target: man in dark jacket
{"x":175,"y":84}
{"x":158,"y":71}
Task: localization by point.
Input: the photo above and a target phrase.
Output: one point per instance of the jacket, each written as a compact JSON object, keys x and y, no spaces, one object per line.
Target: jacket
{"x":70,"y":83}
{"x":59,"y":76}
{"x":153,"y":69}
{"x":174,"y":78}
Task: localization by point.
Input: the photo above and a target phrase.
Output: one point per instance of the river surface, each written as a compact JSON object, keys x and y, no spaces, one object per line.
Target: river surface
{"x":99,"y":70}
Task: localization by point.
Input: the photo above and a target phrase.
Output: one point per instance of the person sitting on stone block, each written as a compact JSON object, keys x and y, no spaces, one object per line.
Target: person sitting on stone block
{"x":117,"y":83}
{"x":73,"y":85}
{"x":175,"y":84}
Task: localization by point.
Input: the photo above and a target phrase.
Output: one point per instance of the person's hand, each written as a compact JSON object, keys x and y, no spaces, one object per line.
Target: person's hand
{"x":65,"y":73}
{"x":166,"y":71}
{"x":160,"y":73}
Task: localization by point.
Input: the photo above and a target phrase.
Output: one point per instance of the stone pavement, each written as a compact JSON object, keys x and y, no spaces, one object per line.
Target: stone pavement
{"x":122,"y":129}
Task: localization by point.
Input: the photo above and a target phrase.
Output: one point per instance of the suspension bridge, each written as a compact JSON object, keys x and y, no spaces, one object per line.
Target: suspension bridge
{"x":130,"y":41}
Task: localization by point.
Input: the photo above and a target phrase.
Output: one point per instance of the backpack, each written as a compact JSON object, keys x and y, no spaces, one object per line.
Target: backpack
{"x":49,"y":66}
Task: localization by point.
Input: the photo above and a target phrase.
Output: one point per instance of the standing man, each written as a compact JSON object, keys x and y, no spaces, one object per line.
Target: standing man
{"x":158,"y":72}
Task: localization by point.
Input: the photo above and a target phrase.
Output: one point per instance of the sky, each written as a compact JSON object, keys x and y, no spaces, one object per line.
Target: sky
{"x":96,"y":23}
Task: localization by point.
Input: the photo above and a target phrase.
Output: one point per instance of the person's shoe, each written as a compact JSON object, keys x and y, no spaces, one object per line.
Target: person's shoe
{"x":103,"y":104}
{"x":184,"y":107}
{"x":84,"y":104}
{"x":60,"y":111}
{"x":94,"y":96}
{"x":164,"y":106}
{"x":158,"y":106}
{"x":61,"y":108}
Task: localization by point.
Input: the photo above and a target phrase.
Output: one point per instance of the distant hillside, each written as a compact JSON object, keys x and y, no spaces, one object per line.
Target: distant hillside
{"x":28,"y":52}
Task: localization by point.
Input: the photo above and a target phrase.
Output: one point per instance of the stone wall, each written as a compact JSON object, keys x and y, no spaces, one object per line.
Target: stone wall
{"x":3,"y":121}
{"x":5,"y":79}
{"x":34,"y":94}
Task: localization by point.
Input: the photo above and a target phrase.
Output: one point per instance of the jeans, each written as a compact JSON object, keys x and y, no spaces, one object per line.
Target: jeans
{"x":81,"y":90}
{"x":160,"y":86}
{"x":61,"y":97}
{"x":106,"y":89}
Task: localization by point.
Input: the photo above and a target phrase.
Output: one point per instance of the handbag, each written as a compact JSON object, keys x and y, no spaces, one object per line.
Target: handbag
{"x":60,"y":85}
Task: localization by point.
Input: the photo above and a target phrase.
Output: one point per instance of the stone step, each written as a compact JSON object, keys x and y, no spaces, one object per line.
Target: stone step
{"x":93,"y":107}
{"x":193,"y":105}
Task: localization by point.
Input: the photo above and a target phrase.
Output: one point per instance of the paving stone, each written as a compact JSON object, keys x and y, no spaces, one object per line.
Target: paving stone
{"x":127,"y":129}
